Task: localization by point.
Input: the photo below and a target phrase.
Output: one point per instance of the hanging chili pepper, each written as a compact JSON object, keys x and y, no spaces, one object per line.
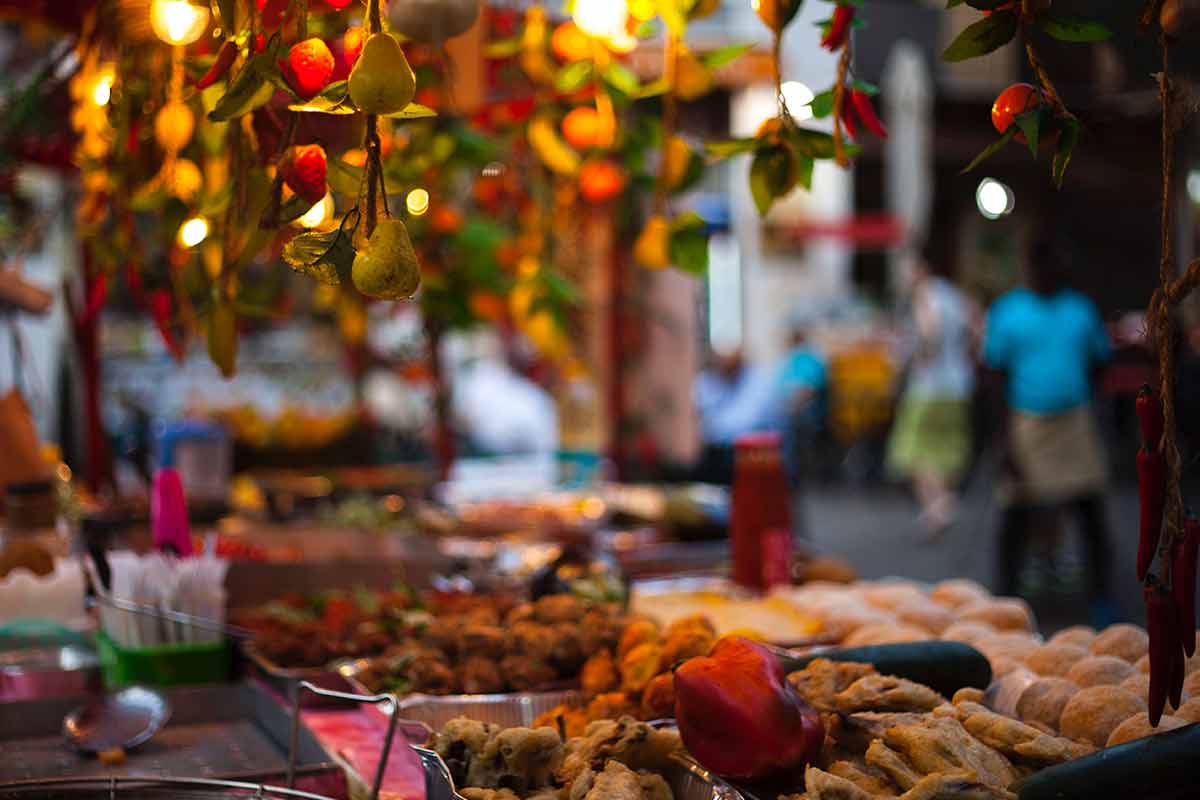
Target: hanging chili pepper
{"x":160,"y":308}
{"x":220,"y":67}
{"x":848,"y":120}
{"x":866,"y":113}
{"x":1152,"y":491}
{"x":1164,"y":642}
{"x":1178,"y":673}
{"x":1183,"y":583}
{"x":1150,"y":417}
{"x":839,"y":28}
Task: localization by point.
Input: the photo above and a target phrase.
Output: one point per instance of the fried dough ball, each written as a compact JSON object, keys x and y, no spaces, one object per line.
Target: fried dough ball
{"x":830,"y":569}
{"x":685,"y":644}
{"x":442,"y":634}
{"x":1044,"y":700}
{"x":1004,"y":614}
{"x":521,"y":613}
{"x":531,"y":640}
{"x":599,"y":674}
{"x":925,"y":614}
{"x":891,"y":594}
{"x":1138,"y":727}
{"x":567,"y":654}
{"x":1142,"y":665}
{"x":840,"y":621}
{"x":1078,"y":635}
{"x":431,"y":676}
{"x":638,"y":632}
{"x":658,"y":698}
{"x":600,"y":629}
{"x":487,"y":641}
{"x":1138,"y":683}
{"x":1189,"y":711}
{"x":526,"y":674}
{"x":639,"y":666}
{"x":1055,"y":659}
{"x":694,"y":622}
{"x":479,"y":675}
{"x":569,"y":722}
{"x":968,"y":632}
{"x":958,"y":593}
{"x":1010,"y":644}
{"x":559,"y":608}
{"x":1191,"y":684}
{"x":1094,"y":713}
{"x":886,"y":634}
{"x":611,"y":705}
{"x":1126,"y":642}
{"x":1002,"y":665}
{"x":1099,"y":671}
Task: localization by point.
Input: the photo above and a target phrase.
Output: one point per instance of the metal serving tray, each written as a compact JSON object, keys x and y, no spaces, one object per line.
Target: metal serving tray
{"x":146,"y":789}
{"x":284,"y":680}
{"x":234,"y":732}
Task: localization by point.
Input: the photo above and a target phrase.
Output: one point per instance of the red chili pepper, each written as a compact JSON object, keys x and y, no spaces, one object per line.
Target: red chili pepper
{"x":839,"y":28}
{"x":1160,"y":625}
{"x":866,"y":112}
{"x":220,"y":67}
{"x":848,"y":119}
{"x":1183,"y":584}
{"x":1152,"y":491}
{"x":259,"y":44}
{"x":1178,"y":672}
{"x":1150,"y":417}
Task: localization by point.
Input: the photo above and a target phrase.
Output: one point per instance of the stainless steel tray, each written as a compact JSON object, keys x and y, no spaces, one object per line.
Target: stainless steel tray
{"x":284,"y":680}
{"x":146,"y":789}
{"x":220,"y":732}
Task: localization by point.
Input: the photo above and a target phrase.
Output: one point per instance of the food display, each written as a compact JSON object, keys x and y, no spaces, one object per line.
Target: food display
{"x":732,"y":612}
{"x":619,"y":759}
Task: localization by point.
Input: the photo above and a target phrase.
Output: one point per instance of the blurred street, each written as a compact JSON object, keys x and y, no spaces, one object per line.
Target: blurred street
{"x":876,"y":528}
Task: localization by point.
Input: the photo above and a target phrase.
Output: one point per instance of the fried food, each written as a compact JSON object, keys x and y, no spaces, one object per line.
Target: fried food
{"x":567,"y":654}
{"x":822,"y":679}
{"x":1016,"y":645}
{"x":569,"y":722}
{"x":655,"y":787}
{"x":1055,"y":659}
{"x":1138,"y":727}
{"x":485,"y":641}
{"x":1099,"y":671}
{"x":942,"y":744}
{"x":489,"y":794}
{"x":886,"y":633}
{"x":925,"y":614}
{"x":876,"y":724}
{"x":458,"y":742}
{"x":960,"y":785}
{"x":968,"y":632}
{"x":431,"y":676}
{"x":639,"y":666}
{"x":886,"y":693}
{"x":889,"y":595}
{"x":863,"y":776}
{"x":968,"y":694}
{"x":599,"y":674}
{"x":1189,"y":711}
{"x":600,"y":629}
{"x":1020,"y":741}
{"x":615,"y":782}
{"x":1006,"y":614}
{"x":1137,"y":683}
{"x":698,"y":623}
{"x":558,"y":608}
{"x":684,"y":644}
{"x":821,"y":785}
{"x":531,"y":640}
{"x":658,"y":698}
{"x":1094,"y":713}
{"x":518,"y":758}
{"x":526,"y":674}
{"x":1078,"y":635}
{"x":479,"y":675}
{"x":958,"y":593}
{"x":892,"y":764}
{"x":1043,"y":700}
{"x":638,"y":632}
{"x":611,"y":705}
{"x":634,"y":744}
{"x":1126,"y":642}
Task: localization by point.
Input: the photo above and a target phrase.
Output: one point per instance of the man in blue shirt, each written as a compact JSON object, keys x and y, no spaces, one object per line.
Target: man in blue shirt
{"x":1047,"y":340}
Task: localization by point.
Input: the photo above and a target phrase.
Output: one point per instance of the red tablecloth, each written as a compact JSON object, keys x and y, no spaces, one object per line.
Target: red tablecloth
{"x":356,"y":737}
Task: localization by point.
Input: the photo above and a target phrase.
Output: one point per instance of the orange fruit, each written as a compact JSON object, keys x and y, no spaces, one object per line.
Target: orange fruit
{"x":507,"y":253}
{"x":488,"y":306}
{"x":1013,"y":101}
{"x":601,"y":181}
{"x":570,"y":43}
{"x":446,"y":219}
{"x":352,"y":44}
{"x":583,"y":128}
{"x":309,"y":67}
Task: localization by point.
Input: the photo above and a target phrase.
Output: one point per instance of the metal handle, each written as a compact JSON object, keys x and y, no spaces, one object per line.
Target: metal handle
{"x":375,"y":699}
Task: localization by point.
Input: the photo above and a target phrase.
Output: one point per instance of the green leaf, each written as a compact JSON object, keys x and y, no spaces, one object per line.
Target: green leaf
{"x":810,"y":143}
{"x":215,"y":205}
{"x":864,"y":87}
{"x":725,"y":55}
{"x":412,"y":111}
{"x":326,"y":257}
{"x":731,"y":147}
{"x":1072,"y":29}
{"x":981,"y":38}
{"x":1068,"y":136}
{"x":504,"y":48}
{"x":333,"y":100}
{"x":293,"y":208}
{"x":248,"y":91}
{"x":688,"y":246}
{"x":804,"y":172}
{"x":149,"y":197}
{"x":343,"y":178}
{"x":653,"y":89}
{"x":990,"y":150}
{"x":621,"y":78}
{"x":822,"y":104}
{"x":573,"y":77}
{"x":790,"y":11}
{"x":773,"y":174}
{"x":1029,"y":124}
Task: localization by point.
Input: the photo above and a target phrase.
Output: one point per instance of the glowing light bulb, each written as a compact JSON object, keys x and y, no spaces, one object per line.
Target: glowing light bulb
{"x":417,"y":202}
{"x":799,"y":100}
{"x":178,"y":22}
{"x":193,"y":232}
{"x":602,"y":18}
{"x":994,"y":199}
{"x":102,"y":91}
{"x":319,"y":214}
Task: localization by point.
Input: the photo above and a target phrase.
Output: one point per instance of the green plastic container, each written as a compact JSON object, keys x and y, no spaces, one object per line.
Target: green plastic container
{"x":164,"y":665}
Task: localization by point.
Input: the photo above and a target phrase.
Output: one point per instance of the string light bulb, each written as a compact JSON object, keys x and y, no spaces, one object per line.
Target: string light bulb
{"x":604,"y":19}
{"x":417,"y":202}
{"x":193,"y":232}
{"x":178,"y":22}
{"x":102,"y":90}
{"x":319,"y":214}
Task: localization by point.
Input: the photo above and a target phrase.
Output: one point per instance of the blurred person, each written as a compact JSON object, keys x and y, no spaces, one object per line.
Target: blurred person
{"x":501,"y":411}
{"x":803,"y":382}
{"x":930,"y":443}
{"x":1047,"y":341}
{"x":732,"y":398}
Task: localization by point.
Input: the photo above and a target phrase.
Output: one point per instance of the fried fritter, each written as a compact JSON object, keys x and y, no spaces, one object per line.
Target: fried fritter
{"x":431,"y":676}
{"x":489,"y":794}
{"x":958,"y":785}
{"x":520,"y":758}
{"x":616,"y":782}
{"x":1020,"y":741}
{"x":486,"y":641}
{"x":822,"y":679}
{"x":599,"y":674}
{"x":635,"y":744}
{"x":558,"y":608}
{"x":654,"y":786}
{"x":526,"y":674}
{"x":658,"y":699}
{"x":459,"y":742}
{"x":892,"y":764}
{"x":610,"y":705}
{"x":876,"y":724}
{"x":941,"y":744}
{"x":638,"y":632}
{"x":479,"y":675}
{"x":531,"y":640}
{"x":567,"y":654}
{"x":864,"y":776}
{"x":821,"y":785}
{"x":685,"y":644}
{"x":569,"y":722}
{"x":639,"y":666}
{"x":886,"y":693}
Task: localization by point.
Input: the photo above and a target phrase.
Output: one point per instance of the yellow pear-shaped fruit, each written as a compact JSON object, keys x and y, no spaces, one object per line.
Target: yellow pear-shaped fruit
{"x":223,"y":337}
{"x":692,"y":78}
{"x":677,"y":157}
{"x":652,"y":249}
{"x":173,"y":126}
{"x":387,"y":267}
{"x":382,"y":82}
